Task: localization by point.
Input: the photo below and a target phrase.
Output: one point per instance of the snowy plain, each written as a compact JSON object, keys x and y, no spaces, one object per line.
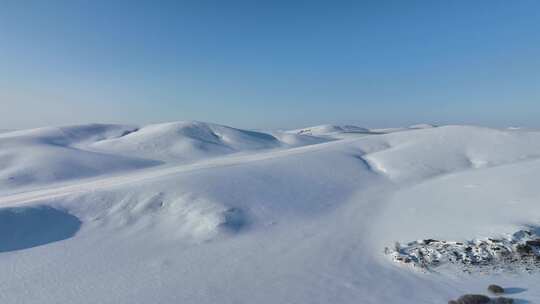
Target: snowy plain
{"x":193,"y":212}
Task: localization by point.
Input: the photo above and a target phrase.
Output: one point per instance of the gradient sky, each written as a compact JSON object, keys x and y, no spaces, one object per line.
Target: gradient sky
{"x":270,"y":64}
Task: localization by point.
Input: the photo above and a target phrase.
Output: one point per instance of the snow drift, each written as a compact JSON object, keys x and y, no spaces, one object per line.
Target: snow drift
{"x":235,"y":216}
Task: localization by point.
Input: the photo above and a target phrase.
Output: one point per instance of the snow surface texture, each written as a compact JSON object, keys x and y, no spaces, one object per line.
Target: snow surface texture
{"x":191,"y":212}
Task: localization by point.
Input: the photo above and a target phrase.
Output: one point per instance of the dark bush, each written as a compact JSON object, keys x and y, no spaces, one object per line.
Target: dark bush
{"x":473,"y":299}
{"x":535,"y":243}
{"x":502,"y":300}
{"x":495,"y":289}
{"x":524,"y":249}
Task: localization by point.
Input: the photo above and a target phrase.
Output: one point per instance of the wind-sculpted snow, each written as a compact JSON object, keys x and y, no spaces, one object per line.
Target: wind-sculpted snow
{"x":187,"y":141}
{"x":421,"y":154}
{"x":40,"y":156}
{"x":298,"y":140}
{"x":180,"y":216}
{"x":46,"y":155}
{"x":41,"y":163}
{"x":235,"y":216}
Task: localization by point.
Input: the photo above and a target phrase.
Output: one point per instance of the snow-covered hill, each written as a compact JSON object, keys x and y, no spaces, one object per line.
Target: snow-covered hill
{"x":420,"y":154}
{"x":200,"y":213}
{"x":41,"y":156}
{"x":186,"y":141}
{"x":46,"y":155}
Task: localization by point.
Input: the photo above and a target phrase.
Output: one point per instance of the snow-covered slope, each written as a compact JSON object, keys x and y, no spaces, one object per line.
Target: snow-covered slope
{"x":298,"y":224}
{"x":330,"y":130}
{"x":186,"y":141}
{"x":420,"y":154}
{"x":45,"y":155}
{"x":293,"y":139}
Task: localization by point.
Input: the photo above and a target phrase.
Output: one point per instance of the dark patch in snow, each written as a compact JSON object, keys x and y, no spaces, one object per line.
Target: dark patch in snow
{"x":234,"y":219}
{"x":127,"y":132}
{"x":27,"y":227}
{"x":482,"y":299}
{"x":364,"y":163}
{"x":472,"y":299}
{"x":496,"y":289}
{"x":518,"y":252}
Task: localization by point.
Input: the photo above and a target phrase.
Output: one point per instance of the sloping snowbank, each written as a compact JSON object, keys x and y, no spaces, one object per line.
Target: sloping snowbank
{"x":420,"y":154}
{"x":41,"y":156}
{"x":291,"y":225}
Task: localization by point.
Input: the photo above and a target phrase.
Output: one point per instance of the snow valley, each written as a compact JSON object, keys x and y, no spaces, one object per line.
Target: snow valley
{"x":193,"y":212}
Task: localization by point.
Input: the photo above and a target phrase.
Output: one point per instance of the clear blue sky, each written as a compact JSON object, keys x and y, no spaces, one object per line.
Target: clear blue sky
{"x":270,"y":64}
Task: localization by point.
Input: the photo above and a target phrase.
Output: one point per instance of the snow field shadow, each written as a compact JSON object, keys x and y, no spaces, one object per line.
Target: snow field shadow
{"x":27,"y":227}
